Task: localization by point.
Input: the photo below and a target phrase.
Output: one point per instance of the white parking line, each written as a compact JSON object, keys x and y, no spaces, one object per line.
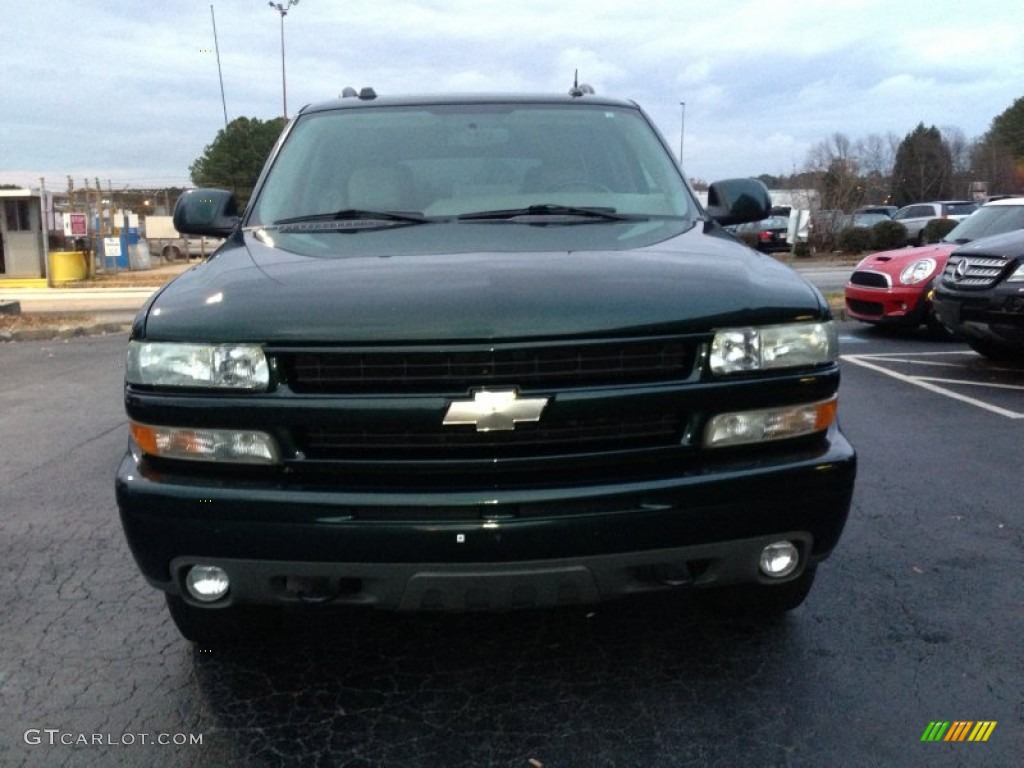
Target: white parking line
{"x":961,"y":382}
{"x":926,"y":382}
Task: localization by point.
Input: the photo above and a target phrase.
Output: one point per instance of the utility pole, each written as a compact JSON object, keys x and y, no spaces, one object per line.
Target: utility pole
{"x":44,"y":230}
{"x":283,"y":10}
{"x":91,"y":227}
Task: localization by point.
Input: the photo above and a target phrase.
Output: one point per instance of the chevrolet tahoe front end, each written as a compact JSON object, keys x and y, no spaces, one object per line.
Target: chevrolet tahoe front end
{"x":420,"y":396}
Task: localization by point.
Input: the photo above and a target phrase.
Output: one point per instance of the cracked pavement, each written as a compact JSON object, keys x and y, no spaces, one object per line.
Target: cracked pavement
{"x":916,"y":617}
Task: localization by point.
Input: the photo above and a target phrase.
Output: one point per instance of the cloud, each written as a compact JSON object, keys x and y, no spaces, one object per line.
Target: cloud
{"x":112,"y":84}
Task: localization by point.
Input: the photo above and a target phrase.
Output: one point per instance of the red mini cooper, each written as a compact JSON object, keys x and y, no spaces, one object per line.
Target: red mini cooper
{"x":893,"y":288}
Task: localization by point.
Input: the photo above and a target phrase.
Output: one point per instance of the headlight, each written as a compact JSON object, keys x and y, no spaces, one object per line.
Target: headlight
{"x":920,"y":270}
{"x":1018,"y":275}
{"x":739,"y":350}
{"x":166,"y":364}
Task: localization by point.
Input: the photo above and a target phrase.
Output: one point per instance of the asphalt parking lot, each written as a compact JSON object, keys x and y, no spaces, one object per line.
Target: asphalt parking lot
{"x":958,"y":374}
{"x":915,"y":620}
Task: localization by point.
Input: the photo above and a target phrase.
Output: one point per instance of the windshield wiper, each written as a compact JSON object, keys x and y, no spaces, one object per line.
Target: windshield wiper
{"x":356,"y":214}
{"x":535,"y":212}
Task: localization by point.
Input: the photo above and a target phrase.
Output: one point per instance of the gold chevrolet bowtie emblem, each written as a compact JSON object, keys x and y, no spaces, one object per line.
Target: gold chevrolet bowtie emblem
{"x":494,"y":411}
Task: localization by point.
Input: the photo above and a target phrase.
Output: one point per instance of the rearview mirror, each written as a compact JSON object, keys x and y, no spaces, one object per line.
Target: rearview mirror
{"x":206,"y":211}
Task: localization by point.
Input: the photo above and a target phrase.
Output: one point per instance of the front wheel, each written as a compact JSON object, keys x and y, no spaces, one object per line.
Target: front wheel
{"x":996,"y":352}
{"x":759,"y":600}
{"x":936,"y":329}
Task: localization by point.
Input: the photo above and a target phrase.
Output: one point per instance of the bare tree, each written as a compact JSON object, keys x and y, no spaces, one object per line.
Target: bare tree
{"x":877,"y":154}
{"x":960,"y":150}
{"x":836,"y":171}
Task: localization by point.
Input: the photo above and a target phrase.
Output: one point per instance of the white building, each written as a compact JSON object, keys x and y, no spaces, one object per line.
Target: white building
{"x":22,"y":239}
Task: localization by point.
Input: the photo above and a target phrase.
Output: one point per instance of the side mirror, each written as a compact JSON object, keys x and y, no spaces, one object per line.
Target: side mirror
{"x":735,"y":201}
{"x":206,"y":211}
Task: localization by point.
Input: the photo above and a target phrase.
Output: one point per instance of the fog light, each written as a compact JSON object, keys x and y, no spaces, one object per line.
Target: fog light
{"x":206,"y":583}
{"x":779,"y":559}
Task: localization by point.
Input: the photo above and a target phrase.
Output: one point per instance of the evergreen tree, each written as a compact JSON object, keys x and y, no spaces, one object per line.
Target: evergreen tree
{"x":998,"y":157}
{"x":236,"y":156}
{"x":923,"y":169}
{"x":1008,"y":129}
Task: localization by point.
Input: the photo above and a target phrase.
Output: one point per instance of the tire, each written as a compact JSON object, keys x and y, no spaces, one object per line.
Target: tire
{"x":936,"y":329}
{"x":219,"y":626}
{"x":171,"y":253}
{"x":759,"y":600}
{"x":996,"y":352}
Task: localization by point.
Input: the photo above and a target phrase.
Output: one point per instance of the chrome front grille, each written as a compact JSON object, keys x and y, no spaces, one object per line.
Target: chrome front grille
{"x":973,"y":272}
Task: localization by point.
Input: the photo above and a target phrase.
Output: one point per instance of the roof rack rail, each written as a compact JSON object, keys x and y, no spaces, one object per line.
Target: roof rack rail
{"x":364,"y":94}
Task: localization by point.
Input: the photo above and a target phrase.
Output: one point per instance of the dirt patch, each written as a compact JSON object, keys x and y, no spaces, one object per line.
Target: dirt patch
{"x":45,"y":326}
{"x":40,"y":320}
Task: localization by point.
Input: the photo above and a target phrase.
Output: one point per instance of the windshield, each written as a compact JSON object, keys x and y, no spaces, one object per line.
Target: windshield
{"x":444,"y":161}
{"x":987,"y":220}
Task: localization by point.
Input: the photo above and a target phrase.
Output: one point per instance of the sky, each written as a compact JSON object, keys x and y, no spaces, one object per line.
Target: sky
{"x":129,"y":92}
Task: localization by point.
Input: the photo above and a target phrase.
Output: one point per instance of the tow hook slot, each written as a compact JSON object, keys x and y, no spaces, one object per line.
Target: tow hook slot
{"x":319,"y":589}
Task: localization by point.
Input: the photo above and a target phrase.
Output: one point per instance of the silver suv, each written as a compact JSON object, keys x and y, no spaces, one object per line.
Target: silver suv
{"x":915,"y":217}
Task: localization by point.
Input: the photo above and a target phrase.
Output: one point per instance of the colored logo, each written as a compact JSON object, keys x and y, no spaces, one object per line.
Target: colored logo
{"x":958,"y":730}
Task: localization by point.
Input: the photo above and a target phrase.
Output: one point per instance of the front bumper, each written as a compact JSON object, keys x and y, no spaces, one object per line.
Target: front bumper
{"x":464,"y":550}
{"x":897,"y":306}
{"x":995,"y":316}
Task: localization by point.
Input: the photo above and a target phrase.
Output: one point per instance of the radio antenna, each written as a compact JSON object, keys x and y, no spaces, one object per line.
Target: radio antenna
{"x":216,"y":47}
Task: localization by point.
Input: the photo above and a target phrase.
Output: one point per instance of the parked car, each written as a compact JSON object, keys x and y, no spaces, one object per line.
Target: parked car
{"x":916,"y":217}
{"x":862,"y":220}
{"x":885,"y":210}
{"x":413,"y":378}
{"x":771,"y":233}
{"x":980,"y":296}
{"x":185,"y":248}
{"x":892,"y":287}
{"x":165,"y":241}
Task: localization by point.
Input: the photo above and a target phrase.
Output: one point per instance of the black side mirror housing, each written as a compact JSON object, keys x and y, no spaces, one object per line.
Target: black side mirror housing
{"x":206,"y":211}
{"x":735,"y":201}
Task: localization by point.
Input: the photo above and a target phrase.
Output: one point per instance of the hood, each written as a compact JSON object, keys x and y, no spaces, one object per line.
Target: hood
{"x":894,"y":262}
{"x":251,"y":291}
{"x":1009,"y":245}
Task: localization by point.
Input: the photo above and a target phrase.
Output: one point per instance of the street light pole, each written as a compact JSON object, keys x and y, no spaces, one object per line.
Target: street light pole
{"x":283,"y":10}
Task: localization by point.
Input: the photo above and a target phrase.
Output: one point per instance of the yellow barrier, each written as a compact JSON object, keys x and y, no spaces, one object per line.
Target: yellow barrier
{"x":66,"y":266}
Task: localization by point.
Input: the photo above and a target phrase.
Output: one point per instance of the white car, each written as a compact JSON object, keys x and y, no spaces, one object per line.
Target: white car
{"x":916,"y":217}
{"x":176,"y":249}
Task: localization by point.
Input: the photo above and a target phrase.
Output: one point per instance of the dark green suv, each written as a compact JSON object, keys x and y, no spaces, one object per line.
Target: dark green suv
{"x":479,"y":353}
